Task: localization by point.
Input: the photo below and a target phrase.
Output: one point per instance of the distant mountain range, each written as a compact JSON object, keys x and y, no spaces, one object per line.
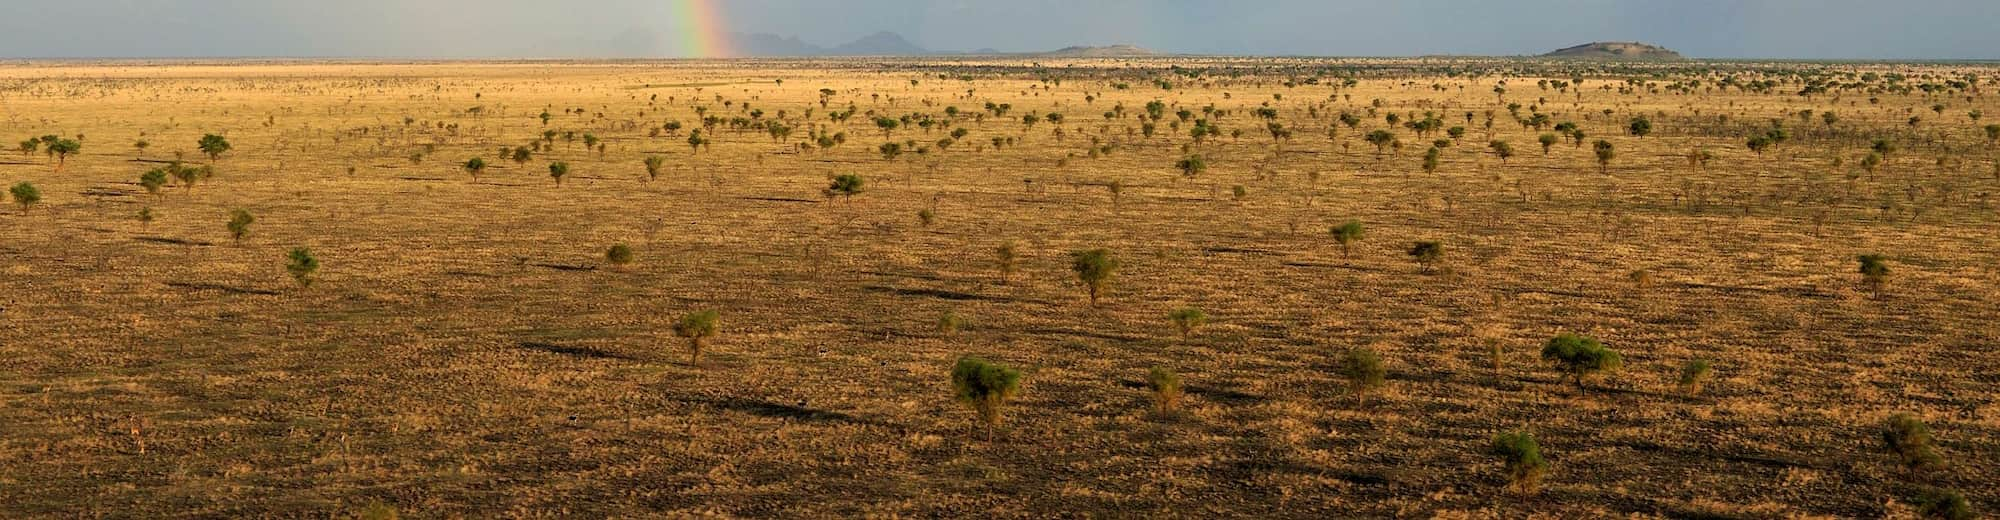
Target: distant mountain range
{"x":891,"y":44}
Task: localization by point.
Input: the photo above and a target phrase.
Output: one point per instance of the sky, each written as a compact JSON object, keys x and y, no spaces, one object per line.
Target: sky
{"x":1802,"y":29}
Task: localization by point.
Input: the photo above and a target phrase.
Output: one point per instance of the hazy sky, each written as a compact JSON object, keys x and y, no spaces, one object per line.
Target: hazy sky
{"x":1930,"y":29}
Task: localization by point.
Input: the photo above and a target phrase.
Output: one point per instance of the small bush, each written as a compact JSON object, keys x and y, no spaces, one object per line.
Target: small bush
{"x":1427,"y":254}
{"x":1910,"y":440}
{"x":619,"y":255}
{"x":1523,"y":459}
{"x":1943,"y":504}
{"x":302,"y":265}
{"x":1580,"y":356}
{"x":1186,"y":319}
{"x":26,"y":195}
{"x":1874,"y":272}
{"x":239,"y":224}
{"x":845,"y":185}
{"x":926,"y":217}
{"x":1693,"y":374}
{"x":985,"y":386}
{"x":1363,"y":370}
{"x":1346,"y":234}
{"x":1006,"y":255}
{"x":950,"y":323}
{"x":558,"y":170}
{"x":1094,"y":268}
{"x":696,"y":326}
{"x":1166,"y":388}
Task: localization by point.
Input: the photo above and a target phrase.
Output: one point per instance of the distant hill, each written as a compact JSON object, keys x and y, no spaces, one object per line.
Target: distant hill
{"x":771,"y":45}
{"x":891,"y":44}
{"x":1108,"y":51}
{"x":1616,"y":51}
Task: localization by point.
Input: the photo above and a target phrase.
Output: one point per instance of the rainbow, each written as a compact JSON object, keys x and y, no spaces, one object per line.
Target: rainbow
{"x":702,"y":32}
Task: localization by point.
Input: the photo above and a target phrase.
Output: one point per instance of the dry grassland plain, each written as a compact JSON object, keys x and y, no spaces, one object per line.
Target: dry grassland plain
{"x":466,"y":351}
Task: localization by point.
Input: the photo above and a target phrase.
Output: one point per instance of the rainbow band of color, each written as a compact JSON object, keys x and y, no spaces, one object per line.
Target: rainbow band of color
{"x":702,"y":31}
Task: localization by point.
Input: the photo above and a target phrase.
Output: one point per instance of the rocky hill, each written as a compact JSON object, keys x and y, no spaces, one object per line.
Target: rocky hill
{"x":1616,"y":51}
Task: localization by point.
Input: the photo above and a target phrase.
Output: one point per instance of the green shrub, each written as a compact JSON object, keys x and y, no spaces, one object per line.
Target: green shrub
{"x":146,"y":216}
{"x":1522,"y":457}
{"x":474,"y":166}
{"x":985,"y":386}
{"x":1874,"y":272}
{"x":1943,"y":504}
{"x":1094,"y":268}
{"x":1580,"y":356}
{"x":845,"y":185}
{"x":1693,"y":374}
{"x":1363,"y":370}
{"x":1006,"y":255}
{"x":213,"y":146}
{"x":558,"y":170}
{"x":926,"y":217}
{"x":950,"y":323}
{"x":619,"y":255}
{"x":26,"y":195}
{"x":1346,"y":234}
{"x":239,"y":224}
{"x":1186,"y":319}
{"x":153,"y":180}
{"x":696,"y":326}
{"x":1166,"y":388}
{"x":1909,"y":439}
{"x":654,"y":164}
{"x":302,"y":265}
{"x":1427,"y":254}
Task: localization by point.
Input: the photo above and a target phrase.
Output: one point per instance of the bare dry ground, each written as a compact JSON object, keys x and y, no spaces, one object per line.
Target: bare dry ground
{"x":467,"y":352}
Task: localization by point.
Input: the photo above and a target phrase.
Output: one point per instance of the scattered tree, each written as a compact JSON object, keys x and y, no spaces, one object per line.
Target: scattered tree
{"x":984,"y":386}
{"x":1363,"y":370}
{"x":26,"y":195}
{"x":1693,"y":374}
{"x":1346,"y":234}
{"x":1522,"y":457}
{"x":1874,"y":272}
{"x":302,"y":265}
{"x":474,"y":167}
{"x":1166,"y":388}
{"x":1094,"y":268}
{"x":558,"y":170}
{"x":1186,"y":319}
{"x":1580,"y":356}
{"x":1909,"y":439}
{"x":239,"y":224}
{"x":696,"y":326}
{"x":1426,"y":254}
{"x":619,"y":255}
{"x":213,"y":146}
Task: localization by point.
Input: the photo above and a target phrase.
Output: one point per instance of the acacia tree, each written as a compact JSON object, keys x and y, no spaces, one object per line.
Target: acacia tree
{"x":213,"y":146}
{"x":62,"y":149}
{"x":696,"y":326}
{"x":1604,"y":155}
{"x":558,"y":170}
{"x":1346,"y":234}
{"x":654,"y":164}
{"x":1363,"y":370}
{"x":26,"y":195}
{"x":1579,"y":356}
{"x":1186,"y":319}
{"x":1094,"y":268}
{"x":1006,"y":255}
{"x":189,"y":175}
{"x":1166,"y":387}
{"x":1381,"y":139}
{"x":984,"y":386}
{"x":1548,"y":140}
{"x":474,"y":167}
{"x":1426,"y":253}
{"x":845,"y":185}
{"x":302,"y":265}
{"x":1502,"y":149}
{"x":1640,"y":127}
{"x":1192,"y":166}
{"x":239,"y":224}
{"x":153,"y":180}
{"x":1874,"y":272}
{"x":1522,"y":457}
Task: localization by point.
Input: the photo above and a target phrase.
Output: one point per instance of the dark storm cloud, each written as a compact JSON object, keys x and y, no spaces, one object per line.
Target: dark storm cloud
{"x":1932,"y":29}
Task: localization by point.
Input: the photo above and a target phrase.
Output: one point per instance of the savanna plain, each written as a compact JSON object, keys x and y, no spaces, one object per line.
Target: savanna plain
{"x":1179,"y":287}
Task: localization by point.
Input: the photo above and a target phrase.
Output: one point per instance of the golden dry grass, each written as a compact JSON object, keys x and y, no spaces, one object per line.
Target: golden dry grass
{"x":467,"y":353}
